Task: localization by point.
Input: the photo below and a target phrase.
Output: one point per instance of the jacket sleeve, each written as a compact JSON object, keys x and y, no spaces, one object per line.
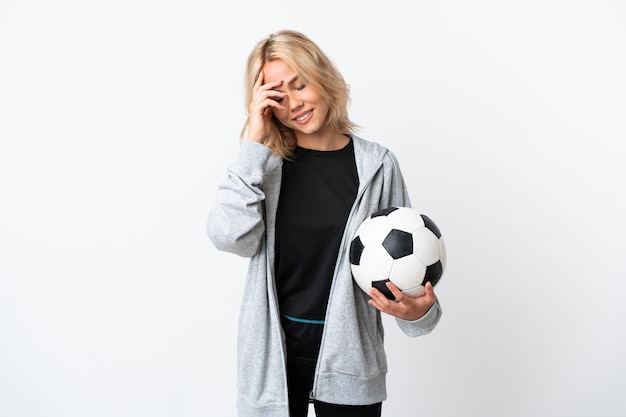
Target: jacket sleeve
{"x":399,"y":196}
{"x":235,"y":223}
{"x":394,"y":192}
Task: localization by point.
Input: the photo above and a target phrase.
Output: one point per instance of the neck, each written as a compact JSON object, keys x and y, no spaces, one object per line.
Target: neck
{"x":323,"y":142}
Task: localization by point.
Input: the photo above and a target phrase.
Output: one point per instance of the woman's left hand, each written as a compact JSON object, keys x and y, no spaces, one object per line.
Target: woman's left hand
{"x":403,"y":307}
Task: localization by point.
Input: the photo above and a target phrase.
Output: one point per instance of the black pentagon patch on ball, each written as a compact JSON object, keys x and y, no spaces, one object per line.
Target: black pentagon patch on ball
{"x":430,"y":225}
{"x":382,"y":287}
{"x":356,"y":249}
{"x":384,"y":212}
{"x":433,"y":273}
{"x":398,"y":243}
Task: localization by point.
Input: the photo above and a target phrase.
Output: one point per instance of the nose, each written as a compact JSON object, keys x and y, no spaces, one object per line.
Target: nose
{"x":295,"y":103}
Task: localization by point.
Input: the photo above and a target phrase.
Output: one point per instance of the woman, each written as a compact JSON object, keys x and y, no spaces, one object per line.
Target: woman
{"x":300,"y":185}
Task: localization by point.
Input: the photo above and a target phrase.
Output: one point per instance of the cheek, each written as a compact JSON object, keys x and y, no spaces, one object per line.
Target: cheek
{"x":281,"y":115}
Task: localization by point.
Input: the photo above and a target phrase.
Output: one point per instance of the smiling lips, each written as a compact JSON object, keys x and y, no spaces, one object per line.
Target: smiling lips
{"x":304,"y":117}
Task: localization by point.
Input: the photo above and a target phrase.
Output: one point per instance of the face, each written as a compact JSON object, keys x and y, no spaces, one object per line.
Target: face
{"x":304,"y":110}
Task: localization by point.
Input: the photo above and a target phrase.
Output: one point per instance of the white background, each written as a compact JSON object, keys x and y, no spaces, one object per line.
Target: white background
{"x":118,"y":119}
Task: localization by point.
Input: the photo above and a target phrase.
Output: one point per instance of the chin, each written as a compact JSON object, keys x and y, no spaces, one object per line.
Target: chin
{"x":309,"y":129}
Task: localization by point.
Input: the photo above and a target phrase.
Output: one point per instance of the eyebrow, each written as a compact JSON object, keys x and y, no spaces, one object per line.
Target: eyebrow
{"x":290,"y":82}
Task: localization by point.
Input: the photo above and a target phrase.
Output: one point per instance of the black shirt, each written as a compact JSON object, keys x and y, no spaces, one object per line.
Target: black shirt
{"x":317,"y":192}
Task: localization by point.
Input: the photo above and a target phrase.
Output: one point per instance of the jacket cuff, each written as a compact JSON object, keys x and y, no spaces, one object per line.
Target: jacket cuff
{"x":424,"y":324}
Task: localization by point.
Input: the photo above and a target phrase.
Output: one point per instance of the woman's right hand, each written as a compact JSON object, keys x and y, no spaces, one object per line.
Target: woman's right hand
{"x":264,"y":99}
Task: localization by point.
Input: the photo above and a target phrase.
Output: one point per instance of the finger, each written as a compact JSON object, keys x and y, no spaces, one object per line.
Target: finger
{"x":376,"y":295}
{"x":263,"y":94}
{"x":381,"y":305}
{"x":429,"y":290}
{"x":271,"y":103}
{"x":386,"y":306}
{"x":259,"y":79}
{"x":381,"y":302}
{"x":259,"y":84}
{"x":260,"y":105}
{"x":275,"y":94}
{"x":269,"y":86}
{"x":378,"y":299}
{"x":395,"y":291}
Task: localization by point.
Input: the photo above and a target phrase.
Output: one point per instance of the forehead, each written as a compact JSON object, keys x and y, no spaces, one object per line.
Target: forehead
{"x":278,"y":70}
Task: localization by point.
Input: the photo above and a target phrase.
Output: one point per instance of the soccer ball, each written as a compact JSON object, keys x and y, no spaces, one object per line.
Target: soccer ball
{"x":400,"y":245}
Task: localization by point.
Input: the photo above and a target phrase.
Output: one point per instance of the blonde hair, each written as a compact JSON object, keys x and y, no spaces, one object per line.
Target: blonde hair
{"x":308,"y":61}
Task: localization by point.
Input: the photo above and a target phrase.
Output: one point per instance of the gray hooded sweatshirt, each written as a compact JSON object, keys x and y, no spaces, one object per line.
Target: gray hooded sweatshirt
{"x":352,"y":365}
